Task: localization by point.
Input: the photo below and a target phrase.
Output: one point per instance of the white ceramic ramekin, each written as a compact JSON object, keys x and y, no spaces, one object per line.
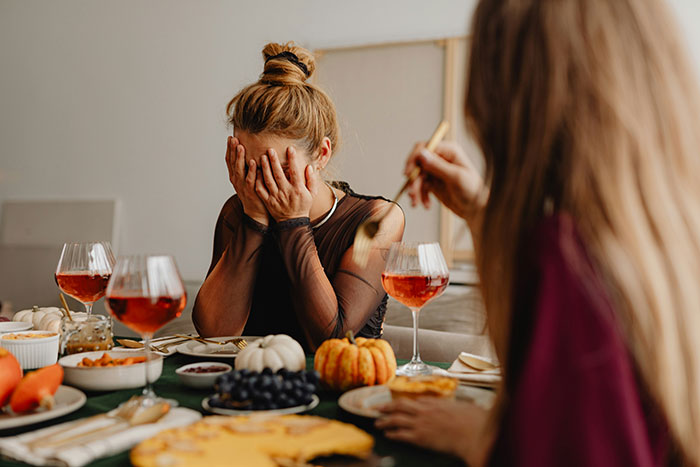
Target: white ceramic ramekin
{"x":32,"y":353}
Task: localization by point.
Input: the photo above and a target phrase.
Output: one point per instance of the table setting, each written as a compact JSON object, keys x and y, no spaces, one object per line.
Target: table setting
{"x":73,"y":394}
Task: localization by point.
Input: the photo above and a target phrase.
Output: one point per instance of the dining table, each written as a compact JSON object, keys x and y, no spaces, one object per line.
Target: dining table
{"x":386,"y":452}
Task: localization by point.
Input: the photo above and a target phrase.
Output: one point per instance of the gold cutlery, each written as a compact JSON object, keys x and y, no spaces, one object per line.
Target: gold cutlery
{"x":237,"y":341}
{"x":133,"y":344}
{"x":369,"y":228}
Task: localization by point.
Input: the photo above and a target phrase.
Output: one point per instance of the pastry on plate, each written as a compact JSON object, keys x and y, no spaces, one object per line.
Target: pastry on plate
{"x":417,"y":386}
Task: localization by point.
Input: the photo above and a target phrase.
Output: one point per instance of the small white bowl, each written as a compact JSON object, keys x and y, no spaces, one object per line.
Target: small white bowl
{"x":201,"y":380}
{"x":110,"y":378}
{"x":32,"y":353}
{"x":14,"y":326}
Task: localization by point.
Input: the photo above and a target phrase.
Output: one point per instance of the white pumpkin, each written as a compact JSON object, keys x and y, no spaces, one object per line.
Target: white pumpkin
{"x":43,"y":319}
{"x":274,"y":352}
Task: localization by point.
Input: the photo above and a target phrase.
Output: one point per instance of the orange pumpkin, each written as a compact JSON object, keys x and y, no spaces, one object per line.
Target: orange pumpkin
{"x":352,"y":362}
{"x":10,"y":375}
{"x":37,"y":389}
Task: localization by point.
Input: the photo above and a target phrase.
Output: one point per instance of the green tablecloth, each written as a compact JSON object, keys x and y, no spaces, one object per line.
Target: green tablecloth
{"x":169,"y":386}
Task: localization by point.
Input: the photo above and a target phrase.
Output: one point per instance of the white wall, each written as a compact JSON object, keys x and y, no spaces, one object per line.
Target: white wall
{"x":125,"y":99}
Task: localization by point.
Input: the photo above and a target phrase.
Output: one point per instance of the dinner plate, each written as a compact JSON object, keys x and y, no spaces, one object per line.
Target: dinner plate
{"x":365,"y":400}
{"x":286,"y":411}
{"x":67,"y":400}
{"x":198,"y":349}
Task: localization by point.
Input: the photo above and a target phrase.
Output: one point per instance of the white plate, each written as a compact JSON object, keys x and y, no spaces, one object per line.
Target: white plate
{"x":286,"y":411}
{"x":14,"y":326}
{"x":364,"y":401}
{"x":109,"y":378}
{"x":67,"y":400}
{"x":197,"y":349}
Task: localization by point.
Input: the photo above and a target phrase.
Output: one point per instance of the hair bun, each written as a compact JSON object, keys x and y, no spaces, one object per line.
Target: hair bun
{"x":286,"y":64}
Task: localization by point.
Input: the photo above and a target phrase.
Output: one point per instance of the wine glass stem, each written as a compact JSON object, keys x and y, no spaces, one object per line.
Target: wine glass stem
{"x":88,"y":308}
{"x":148,"y":389}
{"x":416,"y":352}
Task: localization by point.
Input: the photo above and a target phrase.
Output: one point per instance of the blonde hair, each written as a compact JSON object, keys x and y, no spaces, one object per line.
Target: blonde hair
{"x":592,"y":105}
{"x":283,"y":103}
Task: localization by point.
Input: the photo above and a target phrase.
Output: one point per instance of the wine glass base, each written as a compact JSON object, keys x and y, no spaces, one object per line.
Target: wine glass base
{"x":416,"y":369}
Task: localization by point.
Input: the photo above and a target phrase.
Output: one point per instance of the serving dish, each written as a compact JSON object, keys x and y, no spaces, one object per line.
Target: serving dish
{"x":201,"y":380}
{"x":286,"y":411}
{"x":38,"y":350}
{"x":109,"y":378}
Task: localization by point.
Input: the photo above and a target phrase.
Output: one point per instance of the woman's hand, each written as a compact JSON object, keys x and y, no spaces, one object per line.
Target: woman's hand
{"x":450,"y":176}
{"x":244,"y":183}
{"x":454,"y":427}
{"x":286,"y":198}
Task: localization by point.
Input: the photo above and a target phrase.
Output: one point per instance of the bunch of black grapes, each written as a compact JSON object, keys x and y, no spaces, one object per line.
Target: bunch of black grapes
{"x":250,"y":390}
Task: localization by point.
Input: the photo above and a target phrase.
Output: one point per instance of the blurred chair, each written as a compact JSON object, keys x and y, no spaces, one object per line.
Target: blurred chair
{"x":32,"y":234}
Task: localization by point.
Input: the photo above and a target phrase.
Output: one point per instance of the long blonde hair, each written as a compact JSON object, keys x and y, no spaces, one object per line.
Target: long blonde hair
{"x":592,"y":105}
{"x":284,"y":103}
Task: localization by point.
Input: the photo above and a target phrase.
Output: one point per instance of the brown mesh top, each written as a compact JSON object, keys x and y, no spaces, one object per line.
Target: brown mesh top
{"x":294,"y":279}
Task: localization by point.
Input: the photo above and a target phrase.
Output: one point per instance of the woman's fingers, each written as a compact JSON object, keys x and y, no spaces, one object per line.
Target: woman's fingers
{"x":277,"y":171}
{"x":311,"y":182}
{"x":239,"y":163}
{"x":296,"y":170}
{"x":252,"y":172}
{"x":268,"y":177}
{"x":436,"y":166}
{"x":261,"y":190}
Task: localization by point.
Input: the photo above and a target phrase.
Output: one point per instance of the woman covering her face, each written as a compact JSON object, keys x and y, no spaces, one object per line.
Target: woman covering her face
{"x":282,"y":259}
{"x":587,"y":230}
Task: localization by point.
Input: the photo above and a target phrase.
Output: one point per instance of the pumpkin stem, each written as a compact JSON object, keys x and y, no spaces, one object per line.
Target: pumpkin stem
{"x":351,"y":337}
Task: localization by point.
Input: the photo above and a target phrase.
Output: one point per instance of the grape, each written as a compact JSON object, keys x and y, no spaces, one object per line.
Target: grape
{"x":235,"y":376}
{"x":283,"y":372}
{"x":275,"y":385}
{"x":245,"y":372}
{"x":267,"y":371}
{"x":287,"y":386}
{"x":264,"y":381}
{"x":309,"y":388}
{"x":313,"y":377}
{"x":283,"y":401}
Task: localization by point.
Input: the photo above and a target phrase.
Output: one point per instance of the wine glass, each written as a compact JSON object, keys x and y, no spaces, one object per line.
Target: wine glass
{"x":144,"y":293}
{"x":84,"y":270}
{"x":414,"y":274}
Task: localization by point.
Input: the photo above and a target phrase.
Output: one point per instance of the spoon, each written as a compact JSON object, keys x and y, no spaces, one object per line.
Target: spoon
{"x":477,"y":362}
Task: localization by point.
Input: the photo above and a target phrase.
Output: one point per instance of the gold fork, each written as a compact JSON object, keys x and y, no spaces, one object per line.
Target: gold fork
{"x":369,"y":228}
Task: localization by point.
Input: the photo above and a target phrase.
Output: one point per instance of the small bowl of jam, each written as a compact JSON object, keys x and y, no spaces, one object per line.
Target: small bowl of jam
{"x":201,"y":375}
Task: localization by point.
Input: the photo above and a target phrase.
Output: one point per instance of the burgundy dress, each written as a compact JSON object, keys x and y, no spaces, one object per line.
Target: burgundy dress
{"x":574,"y":396}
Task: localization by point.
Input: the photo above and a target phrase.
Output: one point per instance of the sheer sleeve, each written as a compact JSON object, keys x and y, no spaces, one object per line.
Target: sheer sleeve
{"x":223,"y":303}
{"x":329,"y":309}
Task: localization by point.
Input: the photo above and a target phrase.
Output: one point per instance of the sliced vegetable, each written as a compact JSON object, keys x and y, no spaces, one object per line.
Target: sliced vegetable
{"x":37,"y":389}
